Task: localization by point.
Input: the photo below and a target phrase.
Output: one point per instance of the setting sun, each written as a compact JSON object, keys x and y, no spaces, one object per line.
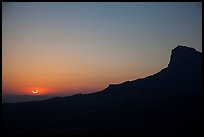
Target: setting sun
{"x":35,"y":92}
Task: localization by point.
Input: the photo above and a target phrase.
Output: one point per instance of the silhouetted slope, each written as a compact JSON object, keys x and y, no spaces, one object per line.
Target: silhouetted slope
{"x":183,"y":72}
{"x":184,"y":76}
{"x":168,"y":102}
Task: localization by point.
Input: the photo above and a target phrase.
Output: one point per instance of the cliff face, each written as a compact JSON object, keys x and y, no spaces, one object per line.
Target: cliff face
{"x":183,"y":57}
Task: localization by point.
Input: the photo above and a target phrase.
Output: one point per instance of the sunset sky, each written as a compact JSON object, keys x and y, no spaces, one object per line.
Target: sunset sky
{"x":68,"y":48}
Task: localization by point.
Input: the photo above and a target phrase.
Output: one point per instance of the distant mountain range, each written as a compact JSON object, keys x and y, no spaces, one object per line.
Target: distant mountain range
{"x":24,"y":98}
{"x":166,"y":103}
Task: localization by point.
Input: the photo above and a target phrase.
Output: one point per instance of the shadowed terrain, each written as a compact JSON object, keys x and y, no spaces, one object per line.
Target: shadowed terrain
{"x":24,"y":98}
{"x":166,"y":103}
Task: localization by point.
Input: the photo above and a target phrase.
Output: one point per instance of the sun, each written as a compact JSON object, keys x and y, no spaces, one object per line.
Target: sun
{"x":35,"y":92}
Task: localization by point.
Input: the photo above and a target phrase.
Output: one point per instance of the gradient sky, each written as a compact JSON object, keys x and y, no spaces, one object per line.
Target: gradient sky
{"x":66,"y":48}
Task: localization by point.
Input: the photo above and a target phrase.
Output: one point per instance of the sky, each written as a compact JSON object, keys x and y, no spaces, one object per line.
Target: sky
{"x":69,"y":48}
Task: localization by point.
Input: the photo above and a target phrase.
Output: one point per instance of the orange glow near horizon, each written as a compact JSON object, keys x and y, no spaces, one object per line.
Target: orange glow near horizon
{"x":32,"y":90}
{"x":61,"y":81}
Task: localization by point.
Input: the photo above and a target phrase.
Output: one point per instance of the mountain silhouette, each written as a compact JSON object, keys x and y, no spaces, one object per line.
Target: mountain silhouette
{"x":165,"y":103}
{"x":183,"y":71}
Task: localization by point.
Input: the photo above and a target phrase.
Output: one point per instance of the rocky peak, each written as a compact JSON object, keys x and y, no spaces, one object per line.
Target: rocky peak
{"x":183,"y":56}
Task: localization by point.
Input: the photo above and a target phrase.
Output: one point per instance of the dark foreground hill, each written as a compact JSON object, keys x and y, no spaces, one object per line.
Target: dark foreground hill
{"x":166,"y":103}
